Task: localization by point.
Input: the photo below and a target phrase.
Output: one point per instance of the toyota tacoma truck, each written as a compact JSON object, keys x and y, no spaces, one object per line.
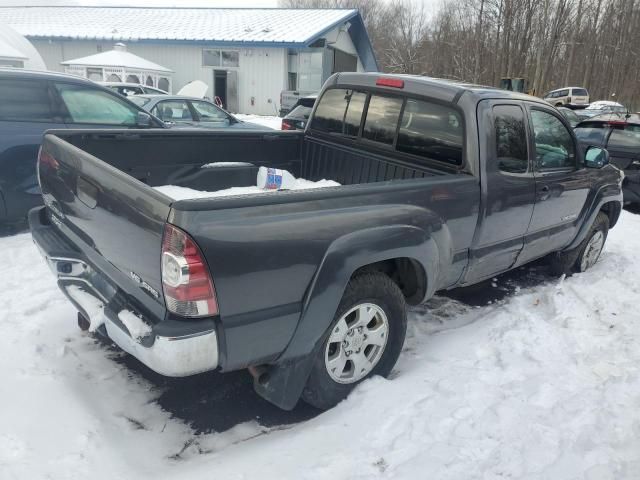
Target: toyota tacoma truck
{"x":442,"y":185}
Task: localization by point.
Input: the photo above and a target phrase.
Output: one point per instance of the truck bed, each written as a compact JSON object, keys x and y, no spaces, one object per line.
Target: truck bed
{"x":263,"y":250}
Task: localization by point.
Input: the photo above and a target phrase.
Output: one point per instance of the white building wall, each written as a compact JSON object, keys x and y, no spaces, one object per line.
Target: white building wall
{"x":261,"y":72}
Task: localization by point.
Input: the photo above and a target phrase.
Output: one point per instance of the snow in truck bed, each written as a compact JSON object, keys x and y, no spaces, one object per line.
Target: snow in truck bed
{"x":544,"y":385}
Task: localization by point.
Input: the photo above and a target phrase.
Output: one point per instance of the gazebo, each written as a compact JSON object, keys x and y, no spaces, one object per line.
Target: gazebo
{"x":118,"y":65}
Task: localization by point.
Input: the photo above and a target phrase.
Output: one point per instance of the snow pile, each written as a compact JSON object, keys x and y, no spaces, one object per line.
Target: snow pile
{"x":185,"y":193}
{"x":545,"y":384}
{"x":94,"y":308}
{"x":226,"y":164}
{"x":263,"y":120}
{"x":137,"y":327}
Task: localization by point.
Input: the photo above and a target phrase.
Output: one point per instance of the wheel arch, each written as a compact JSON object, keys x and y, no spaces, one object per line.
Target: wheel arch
{"x":402,"y":250}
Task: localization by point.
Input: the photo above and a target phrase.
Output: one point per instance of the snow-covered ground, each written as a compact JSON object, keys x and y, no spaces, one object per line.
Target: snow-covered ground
{"x":271,"y":122}
{"x":542,"y":385}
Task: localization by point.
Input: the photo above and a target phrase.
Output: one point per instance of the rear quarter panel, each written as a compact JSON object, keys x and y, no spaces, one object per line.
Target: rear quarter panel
{"x":263,"y":258}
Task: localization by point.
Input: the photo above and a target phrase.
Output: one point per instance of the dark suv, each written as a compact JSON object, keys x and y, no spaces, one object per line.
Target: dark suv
{"x":620,"y":135}
{"x":32,"y":102}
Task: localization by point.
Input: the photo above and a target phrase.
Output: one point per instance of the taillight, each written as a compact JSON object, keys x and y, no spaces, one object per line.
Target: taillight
{"x":186,"y":281}
{"x":287,"y":126}
{"x":390,"y":82}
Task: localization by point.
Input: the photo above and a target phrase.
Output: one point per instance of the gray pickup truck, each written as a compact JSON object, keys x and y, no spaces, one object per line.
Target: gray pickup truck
{"x":441,"y":185}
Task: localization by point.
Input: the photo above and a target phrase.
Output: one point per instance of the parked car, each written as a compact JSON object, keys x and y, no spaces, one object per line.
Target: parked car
{"x":128,"y":89}
{"x":297,"y":118}
{"x":289,"y":99}
{"x":190,"y":112}
{"x":32,"y":102}
{"x":567,"y":96}
{"x":620,"y":135}
{"x":601,"y":107}
{"x":571,"y":116}
{"x":308,"y":288}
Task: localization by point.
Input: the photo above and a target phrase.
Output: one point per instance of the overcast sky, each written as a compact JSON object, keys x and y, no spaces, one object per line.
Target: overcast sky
{"x":168,"y":3}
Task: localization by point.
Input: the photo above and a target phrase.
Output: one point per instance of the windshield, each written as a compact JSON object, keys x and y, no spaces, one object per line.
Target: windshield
{"x":592,"y":133}
{"x":629,"y":137}
{"x":140,"y":101}
{"x":300,"y":113}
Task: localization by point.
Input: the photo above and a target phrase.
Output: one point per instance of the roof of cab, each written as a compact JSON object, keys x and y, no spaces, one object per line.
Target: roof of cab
{"x":445,"y":89}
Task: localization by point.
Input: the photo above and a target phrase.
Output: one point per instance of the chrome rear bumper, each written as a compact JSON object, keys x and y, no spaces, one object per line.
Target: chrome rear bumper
{"x":187,"y":350}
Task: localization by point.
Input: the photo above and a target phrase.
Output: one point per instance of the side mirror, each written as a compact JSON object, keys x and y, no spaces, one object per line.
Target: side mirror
{"x":596,"y":157}
{"x":143,"y":120}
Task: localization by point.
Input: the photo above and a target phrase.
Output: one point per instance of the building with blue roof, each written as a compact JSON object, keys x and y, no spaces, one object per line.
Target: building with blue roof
{"x":247,"y":57}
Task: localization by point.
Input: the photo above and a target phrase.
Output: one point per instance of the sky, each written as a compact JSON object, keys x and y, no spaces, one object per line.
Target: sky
{"x":167,"y":3}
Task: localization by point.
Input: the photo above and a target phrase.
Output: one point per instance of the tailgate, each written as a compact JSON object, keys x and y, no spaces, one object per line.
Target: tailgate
{"x":115,"y":220}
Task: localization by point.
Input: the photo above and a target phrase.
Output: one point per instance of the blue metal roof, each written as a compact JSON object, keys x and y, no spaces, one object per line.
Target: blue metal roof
{"x":233,"y":27}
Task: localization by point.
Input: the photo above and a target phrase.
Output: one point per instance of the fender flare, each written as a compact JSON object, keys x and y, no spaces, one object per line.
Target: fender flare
{"x":606,"y":194}
{"x":282,"y":383}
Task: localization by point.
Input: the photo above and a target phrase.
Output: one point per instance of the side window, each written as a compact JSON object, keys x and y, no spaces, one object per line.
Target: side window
{"x":339,"y":111}
{"x":173,"y":111}
{"x":432,"y":131}
{"x":554,"y":144}
{"x":511,"y":139}
{"x":25,"y":101}
{"x":208,"y":112}
{"x":89,"y":105}
{"x":382,"y":119}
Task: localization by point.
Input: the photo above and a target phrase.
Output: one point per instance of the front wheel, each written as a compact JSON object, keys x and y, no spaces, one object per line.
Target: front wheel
{"x":365,"y":339}
{"x":587,"y":253}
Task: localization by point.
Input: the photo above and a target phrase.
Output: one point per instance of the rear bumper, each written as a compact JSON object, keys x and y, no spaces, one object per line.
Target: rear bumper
{"x":172,"y":348}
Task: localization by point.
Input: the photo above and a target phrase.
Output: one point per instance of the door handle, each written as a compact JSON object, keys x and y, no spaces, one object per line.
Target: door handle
{"x":545,"y":192}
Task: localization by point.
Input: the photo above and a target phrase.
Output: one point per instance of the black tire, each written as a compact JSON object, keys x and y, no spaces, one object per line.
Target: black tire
{"x":376,"y":288}
{"x":571,"y":262}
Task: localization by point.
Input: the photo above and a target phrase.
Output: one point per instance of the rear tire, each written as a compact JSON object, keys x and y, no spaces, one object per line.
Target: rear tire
{"x":586,"y":254}
{"x":365,"y":339}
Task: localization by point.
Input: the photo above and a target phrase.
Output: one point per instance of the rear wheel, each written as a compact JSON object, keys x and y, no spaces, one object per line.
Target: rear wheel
{"x":587,"y":253}
{"x":365,"y":339}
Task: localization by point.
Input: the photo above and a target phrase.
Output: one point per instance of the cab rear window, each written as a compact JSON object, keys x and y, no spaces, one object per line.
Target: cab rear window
{"x":423,"y":129}
{"x":339,"y":111}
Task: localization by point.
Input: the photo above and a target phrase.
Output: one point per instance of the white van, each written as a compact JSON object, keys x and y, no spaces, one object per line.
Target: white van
{"x":567,"y":96}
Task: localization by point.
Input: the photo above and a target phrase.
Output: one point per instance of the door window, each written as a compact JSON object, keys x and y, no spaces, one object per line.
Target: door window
{"x":382,"y":119}
{"x":173,"y":111}
{"x":511,"y":139}
{"x":209,"y":113}
{"x":25,"y":101}
{"x":431,"y":131}
{"x":89,"y":105}
{"x":553,"y":142}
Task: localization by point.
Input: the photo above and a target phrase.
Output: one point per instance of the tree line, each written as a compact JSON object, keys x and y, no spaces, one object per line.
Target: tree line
{"x":551,"y":43}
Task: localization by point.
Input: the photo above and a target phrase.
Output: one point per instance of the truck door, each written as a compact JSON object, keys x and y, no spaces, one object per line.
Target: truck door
{"x":562,"y":184}
{"x":508,"y":189}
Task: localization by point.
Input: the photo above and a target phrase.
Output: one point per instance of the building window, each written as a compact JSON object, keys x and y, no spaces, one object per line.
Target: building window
{"x":220,"y":58}
{"x":94,"y":74}
{"x":293,"y":81}
{"x":133,"y":79}
{"x":12,"y":63}
{"x":149,"y":82}
{"x":163,"y":84}
{"x":113,"y":78}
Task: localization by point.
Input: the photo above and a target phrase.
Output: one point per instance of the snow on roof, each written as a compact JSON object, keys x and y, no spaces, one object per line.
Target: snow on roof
{"x":7,"y":51}
{"x":118,"y":57}
{"x":225,"y":25}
